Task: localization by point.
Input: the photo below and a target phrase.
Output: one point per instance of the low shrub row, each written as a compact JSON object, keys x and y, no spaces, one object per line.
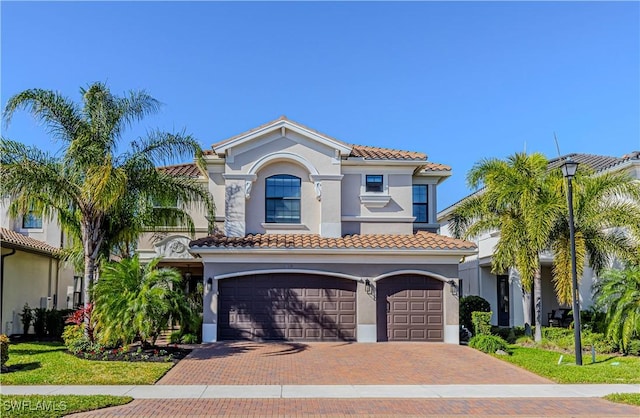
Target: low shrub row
{"x":46,"y":322}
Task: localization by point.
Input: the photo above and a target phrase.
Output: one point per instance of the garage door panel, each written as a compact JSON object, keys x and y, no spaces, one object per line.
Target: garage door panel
{"x":287,"y":306}
{"x":418,"y":306}
{"x":434,"y":334}
{"x":330,"y":306}
{"x":347,"y":319}
{"x":410,"y":308}
{"x":434,"y":307}
{"x":347,"y":306}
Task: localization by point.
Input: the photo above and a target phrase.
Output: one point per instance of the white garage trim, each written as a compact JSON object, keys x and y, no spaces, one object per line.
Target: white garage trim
{"x":418,"y":272}
{"x":278,"y":271}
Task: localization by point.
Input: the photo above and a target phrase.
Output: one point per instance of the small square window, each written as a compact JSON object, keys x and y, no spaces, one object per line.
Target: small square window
{"x":374,"y":183}
{"x":31,"y":221}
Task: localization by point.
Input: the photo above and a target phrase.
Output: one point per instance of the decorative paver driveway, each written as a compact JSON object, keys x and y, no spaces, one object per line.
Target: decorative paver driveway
{"x":371,"y":407}
{"x":249,"y":363}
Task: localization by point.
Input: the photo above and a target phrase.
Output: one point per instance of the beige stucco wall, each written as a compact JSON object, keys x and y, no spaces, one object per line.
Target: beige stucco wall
{"x":246,"y":155}
{"x":28,"y":277}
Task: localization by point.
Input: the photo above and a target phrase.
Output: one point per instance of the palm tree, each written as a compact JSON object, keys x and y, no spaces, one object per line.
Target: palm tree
{"x":99,"y":195}
{"x":606,"y":218}
{"x":132,"y":301}
{"x":518,"y":200}
{"x":618,"y":293}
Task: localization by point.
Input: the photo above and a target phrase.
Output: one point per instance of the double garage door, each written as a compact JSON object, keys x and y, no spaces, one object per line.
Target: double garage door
{"x":307,"y":307}
{"x":287,"y":307}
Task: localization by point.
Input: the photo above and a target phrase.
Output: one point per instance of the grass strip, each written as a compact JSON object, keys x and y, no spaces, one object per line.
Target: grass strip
{"x":54,"y":406}
{"x":606,"y":369}
{"x":50,"y":364}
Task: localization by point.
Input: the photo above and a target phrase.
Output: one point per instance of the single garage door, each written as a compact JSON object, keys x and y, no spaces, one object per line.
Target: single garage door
{"x":410,"y":308}
{"x":287,"y":307}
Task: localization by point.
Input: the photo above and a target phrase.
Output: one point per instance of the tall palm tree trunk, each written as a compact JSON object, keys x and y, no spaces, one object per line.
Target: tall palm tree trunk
{"x":92,"y":239}
{"x":537,"y":295}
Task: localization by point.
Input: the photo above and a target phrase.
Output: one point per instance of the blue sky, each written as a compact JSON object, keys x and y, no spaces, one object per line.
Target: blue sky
{"x":459,"y":81}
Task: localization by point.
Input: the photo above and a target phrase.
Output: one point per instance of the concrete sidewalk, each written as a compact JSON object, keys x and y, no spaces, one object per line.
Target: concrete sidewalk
{"x":329,"y":391}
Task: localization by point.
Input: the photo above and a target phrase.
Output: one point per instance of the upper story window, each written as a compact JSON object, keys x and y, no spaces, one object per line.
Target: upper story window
{"x":374,"y":183}
{"x":31,"y":221}
{"x":282,"y":199}
{"x":420,"y":202}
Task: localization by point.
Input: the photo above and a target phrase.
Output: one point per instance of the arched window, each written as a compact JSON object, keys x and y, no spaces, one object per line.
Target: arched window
{"x":282,"y":199}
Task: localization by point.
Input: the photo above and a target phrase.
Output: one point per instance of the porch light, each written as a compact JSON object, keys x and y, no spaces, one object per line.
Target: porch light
{"x":453,"y":287}
{"x":209,"y":284}
{"x":367,"y":286}
{"x":569,"y":169}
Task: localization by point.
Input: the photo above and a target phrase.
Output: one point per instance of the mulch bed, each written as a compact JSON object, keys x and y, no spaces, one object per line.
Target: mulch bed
{"x":135,"y":352}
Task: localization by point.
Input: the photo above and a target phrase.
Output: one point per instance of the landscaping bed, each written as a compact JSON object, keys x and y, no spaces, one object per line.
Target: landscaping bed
{"x":163,"y":354}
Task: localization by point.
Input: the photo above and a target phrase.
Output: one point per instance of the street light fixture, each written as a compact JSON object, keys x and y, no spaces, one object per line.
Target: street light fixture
{"x":569,"y":169}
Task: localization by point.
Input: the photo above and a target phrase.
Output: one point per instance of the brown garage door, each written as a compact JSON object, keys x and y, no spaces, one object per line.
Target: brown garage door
{"x":410,"y":309}
{"x":287,"y":307}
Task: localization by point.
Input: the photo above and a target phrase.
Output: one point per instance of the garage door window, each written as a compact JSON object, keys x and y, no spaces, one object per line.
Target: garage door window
{"x":282,"y":199}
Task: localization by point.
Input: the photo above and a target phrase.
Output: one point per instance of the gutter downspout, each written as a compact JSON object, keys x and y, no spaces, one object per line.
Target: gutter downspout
{"x":13,"y":251}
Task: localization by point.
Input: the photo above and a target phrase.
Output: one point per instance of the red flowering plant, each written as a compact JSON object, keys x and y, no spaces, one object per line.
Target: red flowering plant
{"x":82,"y":318}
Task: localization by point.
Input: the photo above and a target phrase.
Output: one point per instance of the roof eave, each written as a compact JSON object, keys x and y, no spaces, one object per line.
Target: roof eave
{"x":354,"y":161}
{"x":221,"y":147}
{"x":341,"y":251}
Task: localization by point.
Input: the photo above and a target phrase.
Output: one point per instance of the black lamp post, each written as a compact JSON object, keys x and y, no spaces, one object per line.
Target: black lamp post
{"x":569,"y":169}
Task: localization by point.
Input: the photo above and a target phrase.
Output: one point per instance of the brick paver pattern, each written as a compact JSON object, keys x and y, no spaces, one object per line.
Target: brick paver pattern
{"x":250,"y":363}
{"x":371,"y":407}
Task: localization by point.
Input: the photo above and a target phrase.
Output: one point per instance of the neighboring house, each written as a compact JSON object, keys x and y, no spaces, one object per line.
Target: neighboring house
{"x":504,"y":291}
{"x":31,"y":270}
{"x":318,"y":240}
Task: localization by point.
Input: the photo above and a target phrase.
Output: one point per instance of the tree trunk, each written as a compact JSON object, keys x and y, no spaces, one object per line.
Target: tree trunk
{"x":91,"y":241}
{"x":537,"y":294}
{"x":526,"y":311}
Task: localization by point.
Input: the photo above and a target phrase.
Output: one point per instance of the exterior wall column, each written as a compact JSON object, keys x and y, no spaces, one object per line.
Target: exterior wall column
{"x":237,"y":190}
{"x":432,"y":211}
{"x":329,"y":192}
{"x":451,"y":311}
{"x":366,"y":312}
{"x":209,"y":305}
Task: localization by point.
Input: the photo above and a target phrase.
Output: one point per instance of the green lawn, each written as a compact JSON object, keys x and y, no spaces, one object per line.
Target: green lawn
{"x":49,"y":364}
{"x":54,"y":406}
{"x":628,"y":398}
{"x":606,"y":369}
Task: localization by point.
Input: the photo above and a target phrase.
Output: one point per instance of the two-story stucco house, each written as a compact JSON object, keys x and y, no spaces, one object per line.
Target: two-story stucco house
{"x":504,"y":291}
{"x":31,"y":270}
{"x":319,"y":240}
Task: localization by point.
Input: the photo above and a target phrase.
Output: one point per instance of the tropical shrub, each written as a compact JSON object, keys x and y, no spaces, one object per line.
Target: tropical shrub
{"x":4,"y":350}
{"x":481,"y":323}
{"x":618,"y":293}
{"x":634,"y":347}
{"x":26,"y":318}
{"x":175,"y":336}
{"x":594,"y":320}
{"x":54,"y":322}
{"x":135,"y":301}
{"x":83,"y":318}
{"x":488,"y":343}
{"x":508,"y":334}
{"x":74,"y":338}
{"x":189,"y":339}
{"x":470,"y":304}
{"x":39,"y":321}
